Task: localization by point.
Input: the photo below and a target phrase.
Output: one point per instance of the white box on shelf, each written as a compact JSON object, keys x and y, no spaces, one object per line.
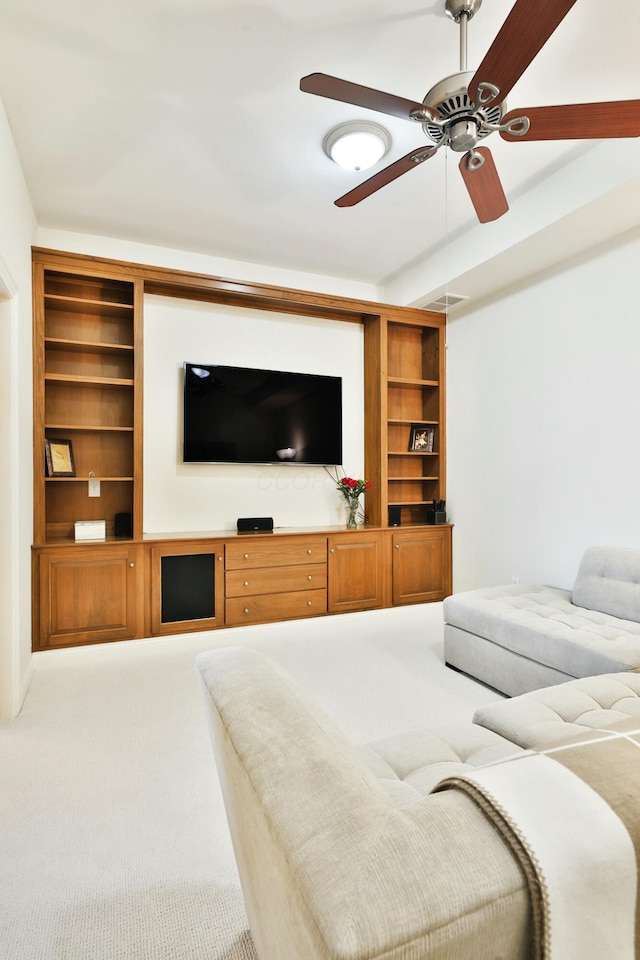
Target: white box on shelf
{"x":91,"y":529}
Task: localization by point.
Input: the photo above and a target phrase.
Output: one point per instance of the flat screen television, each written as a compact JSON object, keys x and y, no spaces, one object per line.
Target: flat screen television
{"x":243,"y":415}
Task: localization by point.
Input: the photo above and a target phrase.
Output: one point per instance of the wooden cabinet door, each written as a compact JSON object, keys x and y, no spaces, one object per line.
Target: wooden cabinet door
{"x":187,"y":586}
{"x":356,"y":571}
{"x":89,"y":594}
{"x":421,"y":565}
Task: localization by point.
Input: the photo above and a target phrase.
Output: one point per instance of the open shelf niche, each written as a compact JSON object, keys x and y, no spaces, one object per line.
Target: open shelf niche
{"x":87,"y":347}
{"x":414,"y":402}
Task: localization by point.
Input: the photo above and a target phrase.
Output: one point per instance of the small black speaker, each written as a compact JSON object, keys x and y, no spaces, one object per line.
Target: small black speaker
{"x":255,"y":524}
{"x":123,"y":526}
{"x":395,"y":516}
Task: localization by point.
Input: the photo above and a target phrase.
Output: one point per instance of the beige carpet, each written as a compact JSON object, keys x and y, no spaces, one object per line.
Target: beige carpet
{"x":112,"y":830}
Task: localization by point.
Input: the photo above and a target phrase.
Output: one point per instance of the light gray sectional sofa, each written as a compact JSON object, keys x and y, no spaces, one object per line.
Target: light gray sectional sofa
{"x":519,"y":638}
{"x":342,"y":851}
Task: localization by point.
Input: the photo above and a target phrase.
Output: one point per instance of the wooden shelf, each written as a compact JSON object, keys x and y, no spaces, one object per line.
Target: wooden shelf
{"x":86,"y":305}
{"x":408,"y":423}
{"x":413,"y":453}
{"x":410,"y":382}
{"x":86,"y":479}
{"x":86,"y":346}
{"x":88,"y":381}
{"x":410,"y":503}
{"x":85,"y":429}
{"x":412,"y":479}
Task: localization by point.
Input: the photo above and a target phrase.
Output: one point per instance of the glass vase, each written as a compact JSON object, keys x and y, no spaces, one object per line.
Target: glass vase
{"x":351,"y":513}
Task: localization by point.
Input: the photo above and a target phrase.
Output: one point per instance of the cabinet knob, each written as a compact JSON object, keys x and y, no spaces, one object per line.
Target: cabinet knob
{"x":246,"y":583}
{"x":246,"y":609}
{"x":397,"y":546}
{"x":246,"y":556}
{"x":309,"y":552}
{"x":132,"y":564}
{"x":333,"y":550}
{"x":220,"y":559}
{"x":309,"y":604}
{"x":309,"y":577}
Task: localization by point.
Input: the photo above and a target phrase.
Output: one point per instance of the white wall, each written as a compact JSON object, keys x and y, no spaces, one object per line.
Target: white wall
{"x":543,"y":411}
{"x":17,"y":229}
{"x":203,"y":263}
{"x":187,"y":497}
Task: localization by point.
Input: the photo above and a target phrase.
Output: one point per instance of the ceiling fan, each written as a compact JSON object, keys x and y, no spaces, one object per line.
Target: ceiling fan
{"x":463,"y":109}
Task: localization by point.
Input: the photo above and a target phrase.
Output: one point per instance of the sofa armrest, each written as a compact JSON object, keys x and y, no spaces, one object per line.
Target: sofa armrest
{"x":330,"y":869}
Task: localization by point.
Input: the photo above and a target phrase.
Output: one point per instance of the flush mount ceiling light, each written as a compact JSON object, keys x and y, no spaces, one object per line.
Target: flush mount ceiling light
{"x":358,"y":145}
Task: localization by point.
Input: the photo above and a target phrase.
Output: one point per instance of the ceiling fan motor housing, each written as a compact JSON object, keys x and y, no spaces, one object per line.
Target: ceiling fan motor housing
{"x":464,"y":120}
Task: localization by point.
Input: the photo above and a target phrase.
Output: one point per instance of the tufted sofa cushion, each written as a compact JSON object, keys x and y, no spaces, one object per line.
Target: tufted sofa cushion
{"x":537,"y":719}
{"x":410,"y":764}
{"x":609,"y":580}
{"x":530,"y":620}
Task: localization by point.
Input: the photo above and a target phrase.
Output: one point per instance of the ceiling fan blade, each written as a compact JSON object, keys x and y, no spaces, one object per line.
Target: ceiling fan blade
{"x":392,"y":172}
{"x":578,"y":121}
{"x":483,"y":184}
{"x":521,"y":37}
{"x":322,"y":85}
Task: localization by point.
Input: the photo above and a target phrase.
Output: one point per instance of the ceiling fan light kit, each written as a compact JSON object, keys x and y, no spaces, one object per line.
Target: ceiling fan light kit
{"x":467,"y":107}
{"x":357,"y":145}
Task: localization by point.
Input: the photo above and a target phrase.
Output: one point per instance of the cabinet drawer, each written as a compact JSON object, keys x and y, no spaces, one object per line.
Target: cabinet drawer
{"x":246,"y":583}
{"x":279,"y":606}
{"x":275,"y":553}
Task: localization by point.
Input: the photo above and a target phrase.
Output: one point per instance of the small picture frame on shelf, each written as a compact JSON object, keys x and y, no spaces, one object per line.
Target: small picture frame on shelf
{"x":58,"y":456}
{"x":421,"y":439}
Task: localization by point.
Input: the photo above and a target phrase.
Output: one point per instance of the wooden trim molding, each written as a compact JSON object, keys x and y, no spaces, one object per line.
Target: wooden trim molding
{"x":200,"y":286}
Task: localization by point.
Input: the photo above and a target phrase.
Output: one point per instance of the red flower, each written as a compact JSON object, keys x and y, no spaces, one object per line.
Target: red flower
{"x":352,"y":488}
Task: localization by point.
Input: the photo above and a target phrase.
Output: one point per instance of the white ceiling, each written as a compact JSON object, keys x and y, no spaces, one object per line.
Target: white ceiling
{"x":180,"y":123}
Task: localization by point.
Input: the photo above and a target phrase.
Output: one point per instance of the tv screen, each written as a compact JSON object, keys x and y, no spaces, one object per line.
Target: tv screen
{"x":242,"y":415}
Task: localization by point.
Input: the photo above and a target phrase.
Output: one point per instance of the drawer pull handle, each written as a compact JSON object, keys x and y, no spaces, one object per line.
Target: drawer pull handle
{"x":246,"y":556}
{"x":309,"y":603}
{"x":309,"y":577}
{"x":246,"y":583}
{"x":309,"y":552}
{"x":246,"y":609}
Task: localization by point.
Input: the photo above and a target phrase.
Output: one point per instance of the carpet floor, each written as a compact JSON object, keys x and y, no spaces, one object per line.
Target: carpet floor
{"x":114,"y":839}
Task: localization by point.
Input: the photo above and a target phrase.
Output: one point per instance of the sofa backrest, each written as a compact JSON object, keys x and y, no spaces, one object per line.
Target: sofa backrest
{"x":609,"y":581}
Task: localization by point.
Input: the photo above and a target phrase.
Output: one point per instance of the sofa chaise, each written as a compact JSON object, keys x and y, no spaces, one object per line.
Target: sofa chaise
{"x":344,"y":853}
{"x":518,"y":638}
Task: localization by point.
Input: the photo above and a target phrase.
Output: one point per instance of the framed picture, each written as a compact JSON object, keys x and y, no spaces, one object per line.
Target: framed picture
{"x":58,"y":456}
{"x":421,"y":439}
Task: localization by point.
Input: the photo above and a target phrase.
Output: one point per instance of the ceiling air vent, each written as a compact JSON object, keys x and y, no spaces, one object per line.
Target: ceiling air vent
{"x":442,"y":304}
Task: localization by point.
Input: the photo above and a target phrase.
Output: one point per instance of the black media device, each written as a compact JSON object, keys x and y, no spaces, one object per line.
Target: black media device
{"x":123,"y":525}
{"x":395,"y":517}
{"x":243,"y":415}
{"x":255,"y":524}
